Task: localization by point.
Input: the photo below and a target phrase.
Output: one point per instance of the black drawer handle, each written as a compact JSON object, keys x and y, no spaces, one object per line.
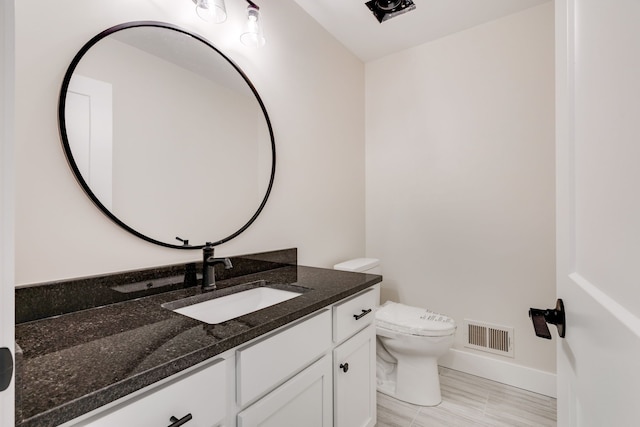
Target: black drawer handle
{"x":361,"y":315}
{"x":344,"y":367}
{"x":178,"y":422}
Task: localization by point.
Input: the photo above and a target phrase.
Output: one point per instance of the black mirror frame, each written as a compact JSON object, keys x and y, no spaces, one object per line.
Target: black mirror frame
{"x":67,"y":148}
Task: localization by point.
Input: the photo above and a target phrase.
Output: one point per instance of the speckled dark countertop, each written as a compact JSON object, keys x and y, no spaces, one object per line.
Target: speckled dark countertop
{"x":75,"y":362}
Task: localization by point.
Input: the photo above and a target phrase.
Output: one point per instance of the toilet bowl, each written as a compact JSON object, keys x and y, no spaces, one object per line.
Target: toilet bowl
{"x":409,"y":342}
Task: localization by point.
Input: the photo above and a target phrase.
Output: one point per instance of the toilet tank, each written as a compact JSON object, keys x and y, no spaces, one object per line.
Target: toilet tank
{"x":360,"y":265}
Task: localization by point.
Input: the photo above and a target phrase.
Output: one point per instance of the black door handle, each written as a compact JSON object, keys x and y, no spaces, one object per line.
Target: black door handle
{"x":556,"y":316}
{"x":361,"y":315}
{"x":344,"y":367}
{"x":178,"y":422}
{"x":6,"y":368}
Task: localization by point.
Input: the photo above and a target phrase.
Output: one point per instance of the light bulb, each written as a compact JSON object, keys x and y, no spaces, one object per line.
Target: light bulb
{"x":253,"y":36}
{"x":211,"y":10}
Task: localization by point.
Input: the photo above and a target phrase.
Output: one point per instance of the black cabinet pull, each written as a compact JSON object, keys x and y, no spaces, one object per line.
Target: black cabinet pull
{"x":178,"y":422}
{"x":344,"y":367}
{"x":361,"y":315}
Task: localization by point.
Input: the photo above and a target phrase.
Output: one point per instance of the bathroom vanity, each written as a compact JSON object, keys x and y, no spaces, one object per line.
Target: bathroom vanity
{"x":307,"y":361}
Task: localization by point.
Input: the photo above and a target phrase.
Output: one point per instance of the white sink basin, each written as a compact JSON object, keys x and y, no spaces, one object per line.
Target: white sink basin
{"x":228,"y":307}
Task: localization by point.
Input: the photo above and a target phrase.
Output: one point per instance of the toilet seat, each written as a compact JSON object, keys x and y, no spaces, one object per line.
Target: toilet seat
{"x":417,"y":321}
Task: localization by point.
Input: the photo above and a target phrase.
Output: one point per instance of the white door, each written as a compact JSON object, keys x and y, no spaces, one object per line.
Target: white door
{"x":89,"y":125}
{"x":598,"y":195}
{"x":6,"y":200}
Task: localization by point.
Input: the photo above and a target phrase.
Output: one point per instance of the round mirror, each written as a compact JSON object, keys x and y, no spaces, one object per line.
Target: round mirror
{"x":166,"y":135}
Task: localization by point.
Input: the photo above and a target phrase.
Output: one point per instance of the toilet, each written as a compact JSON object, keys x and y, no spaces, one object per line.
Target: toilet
{"x":409,"y":342}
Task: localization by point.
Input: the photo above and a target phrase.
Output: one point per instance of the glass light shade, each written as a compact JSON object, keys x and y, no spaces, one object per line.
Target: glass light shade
{"x":211,"y":10}
{"x":253,"y":36}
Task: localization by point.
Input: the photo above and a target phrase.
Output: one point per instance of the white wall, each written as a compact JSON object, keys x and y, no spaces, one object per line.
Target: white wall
{"x":313,"y":90}
{"x":460,"y":176}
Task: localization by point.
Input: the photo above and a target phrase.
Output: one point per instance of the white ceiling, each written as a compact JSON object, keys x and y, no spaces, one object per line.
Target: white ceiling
{"x":351,"y":22}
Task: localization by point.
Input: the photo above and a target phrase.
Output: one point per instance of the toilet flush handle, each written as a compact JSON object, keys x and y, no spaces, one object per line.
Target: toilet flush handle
{"x":361,"y":315}
{"x":344,"y":367}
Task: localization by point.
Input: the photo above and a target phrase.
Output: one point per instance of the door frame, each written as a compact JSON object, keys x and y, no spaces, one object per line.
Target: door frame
{"x":7,"y":199}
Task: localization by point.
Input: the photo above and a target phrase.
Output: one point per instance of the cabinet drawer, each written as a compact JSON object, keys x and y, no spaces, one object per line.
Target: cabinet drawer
{"x":201,"y":393}
{"x":268,"y":362}
{"x":354,"y":313}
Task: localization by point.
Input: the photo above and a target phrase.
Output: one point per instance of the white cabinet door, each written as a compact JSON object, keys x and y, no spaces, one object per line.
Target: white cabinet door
{"x":354,"y":367}
{"x":303,"y":401}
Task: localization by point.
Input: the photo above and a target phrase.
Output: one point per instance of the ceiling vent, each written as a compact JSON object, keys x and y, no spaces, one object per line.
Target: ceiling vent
{"x":387,"y":9}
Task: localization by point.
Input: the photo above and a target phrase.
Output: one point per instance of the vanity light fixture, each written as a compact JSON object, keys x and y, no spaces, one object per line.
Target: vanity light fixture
{"x":253,"y":35}
{"x":211,"y":10}
{"x":216,"y":11}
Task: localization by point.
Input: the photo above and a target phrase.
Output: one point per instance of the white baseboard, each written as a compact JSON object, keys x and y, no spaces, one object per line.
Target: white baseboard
{"x":501,"y":371}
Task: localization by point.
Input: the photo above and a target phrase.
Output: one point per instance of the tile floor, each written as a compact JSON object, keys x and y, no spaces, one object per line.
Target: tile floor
{"x":468,"y":401}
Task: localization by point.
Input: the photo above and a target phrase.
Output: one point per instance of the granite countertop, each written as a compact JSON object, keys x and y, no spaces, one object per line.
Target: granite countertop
{"x":76,"y":362}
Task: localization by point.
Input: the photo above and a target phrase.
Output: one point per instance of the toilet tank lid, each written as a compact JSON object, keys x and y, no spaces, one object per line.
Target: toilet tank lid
{"x":358,"y":264}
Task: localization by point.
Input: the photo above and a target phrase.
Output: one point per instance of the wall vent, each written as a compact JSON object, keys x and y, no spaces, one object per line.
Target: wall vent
{"x":487,"y":337}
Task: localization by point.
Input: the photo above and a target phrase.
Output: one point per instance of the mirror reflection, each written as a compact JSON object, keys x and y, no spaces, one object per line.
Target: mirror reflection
{"x":166,"y":135}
